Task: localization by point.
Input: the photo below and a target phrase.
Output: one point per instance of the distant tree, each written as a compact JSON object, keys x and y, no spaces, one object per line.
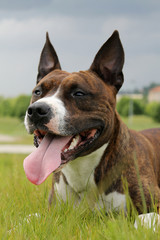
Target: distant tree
{"x":157,"y":113}
{"x":125,"y":103}
{"x":153,"y":110}
{"x":21,"y":104}
{"x":5,"y":107}
{"x":138,"y":106}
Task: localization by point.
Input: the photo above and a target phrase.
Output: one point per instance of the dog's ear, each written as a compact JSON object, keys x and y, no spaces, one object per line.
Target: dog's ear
{"x":109,"y":60}
{"x":48,"y":60}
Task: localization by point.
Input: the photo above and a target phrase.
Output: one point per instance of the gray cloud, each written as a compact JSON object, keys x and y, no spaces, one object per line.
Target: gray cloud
{"x":80,"y":8}
{"x":18,"y":5}
{"x":77,"y":30}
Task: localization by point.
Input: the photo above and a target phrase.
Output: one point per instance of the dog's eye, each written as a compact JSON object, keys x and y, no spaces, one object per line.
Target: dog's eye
{"x":78,"y":94}
{"x":37,"y":92}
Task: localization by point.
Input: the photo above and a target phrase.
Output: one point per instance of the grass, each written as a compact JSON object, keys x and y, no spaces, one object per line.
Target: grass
{"x":20,"y":198}
{"x":140,"y":122}
{"x":14,"y":127}
{"x":11,"y":126}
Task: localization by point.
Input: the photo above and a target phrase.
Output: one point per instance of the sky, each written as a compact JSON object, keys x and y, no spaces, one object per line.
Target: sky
{"x":77,"y":30}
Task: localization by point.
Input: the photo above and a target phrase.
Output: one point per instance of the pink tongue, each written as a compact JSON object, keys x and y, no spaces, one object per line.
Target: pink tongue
{"x":45,"y":159}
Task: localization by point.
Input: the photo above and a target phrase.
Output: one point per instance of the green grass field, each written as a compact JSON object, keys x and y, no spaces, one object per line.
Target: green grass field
{"x":15,"y":128}
{"x":140,"y":122}
{"x":20,"y":201}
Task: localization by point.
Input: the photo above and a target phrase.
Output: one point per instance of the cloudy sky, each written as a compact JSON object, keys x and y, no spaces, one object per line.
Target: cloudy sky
{"x":77,"y":29}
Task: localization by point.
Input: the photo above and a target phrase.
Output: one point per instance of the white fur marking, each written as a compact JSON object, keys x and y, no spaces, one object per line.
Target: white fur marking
{"x":57,"y":123}
{"x":112,"y":201}
{"x":58,"y":110}
{"x":26,"y":123}
{"x":56,"y":104}
{"x":80,"y":172}
{"x":61,"y":188}
{"x":64,"y":191}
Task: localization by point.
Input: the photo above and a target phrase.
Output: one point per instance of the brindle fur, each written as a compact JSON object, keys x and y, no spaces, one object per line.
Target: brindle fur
{"x":131,"y":156}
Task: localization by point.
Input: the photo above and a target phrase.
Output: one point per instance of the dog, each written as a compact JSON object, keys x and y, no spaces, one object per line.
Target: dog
{"x":80,"y":136}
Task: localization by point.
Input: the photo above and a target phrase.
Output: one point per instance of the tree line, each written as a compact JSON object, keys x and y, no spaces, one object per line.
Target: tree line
{"x":127,"y":106}
{"x":14,"y":107}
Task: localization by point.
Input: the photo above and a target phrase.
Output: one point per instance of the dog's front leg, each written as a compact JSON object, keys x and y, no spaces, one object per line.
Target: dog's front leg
{"x":61,"y":190}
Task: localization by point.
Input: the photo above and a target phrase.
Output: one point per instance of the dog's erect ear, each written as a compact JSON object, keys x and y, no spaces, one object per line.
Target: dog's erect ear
{"x":48,"y":60}
{"x":108,"y":62}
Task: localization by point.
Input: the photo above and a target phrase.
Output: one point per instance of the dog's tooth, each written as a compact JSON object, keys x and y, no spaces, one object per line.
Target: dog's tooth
{"x":74,"y":142}
{"x":70,"y":147}
{"x":77,"y":137}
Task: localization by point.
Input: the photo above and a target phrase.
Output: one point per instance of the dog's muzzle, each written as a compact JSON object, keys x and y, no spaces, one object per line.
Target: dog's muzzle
{"x":39,"y":111}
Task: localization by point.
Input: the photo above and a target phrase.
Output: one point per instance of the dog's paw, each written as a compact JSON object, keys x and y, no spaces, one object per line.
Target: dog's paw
{"x":148,"y":220}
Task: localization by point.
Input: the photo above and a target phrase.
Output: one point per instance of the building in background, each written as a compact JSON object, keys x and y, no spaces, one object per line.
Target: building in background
{"x":154,"y":94}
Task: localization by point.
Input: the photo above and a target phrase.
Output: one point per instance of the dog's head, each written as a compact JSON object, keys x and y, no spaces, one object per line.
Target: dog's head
{"x":72,"y":114}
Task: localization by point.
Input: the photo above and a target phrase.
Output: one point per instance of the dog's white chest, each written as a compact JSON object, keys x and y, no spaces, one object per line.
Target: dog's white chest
{"x":80,"y":172}
{"x":112,"y":201}
{"x":80,"y":177}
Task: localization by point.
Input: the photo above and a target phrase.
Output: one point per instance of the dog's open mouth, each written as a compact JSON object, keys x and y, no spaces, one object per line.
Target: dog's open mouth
{"x":75,"y":145}
{"x":54,"y":151}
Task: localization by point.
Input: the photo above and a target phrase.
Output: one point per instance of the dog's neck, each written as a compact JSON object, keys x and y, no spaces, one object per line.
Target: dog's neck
{"x":80,"y":172}
{"x":115,"y":157}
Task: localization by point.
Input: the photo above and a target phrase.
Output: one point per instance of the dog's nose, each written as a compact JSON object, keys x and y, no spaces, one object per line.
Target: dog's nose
{"x":38,"y":111}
